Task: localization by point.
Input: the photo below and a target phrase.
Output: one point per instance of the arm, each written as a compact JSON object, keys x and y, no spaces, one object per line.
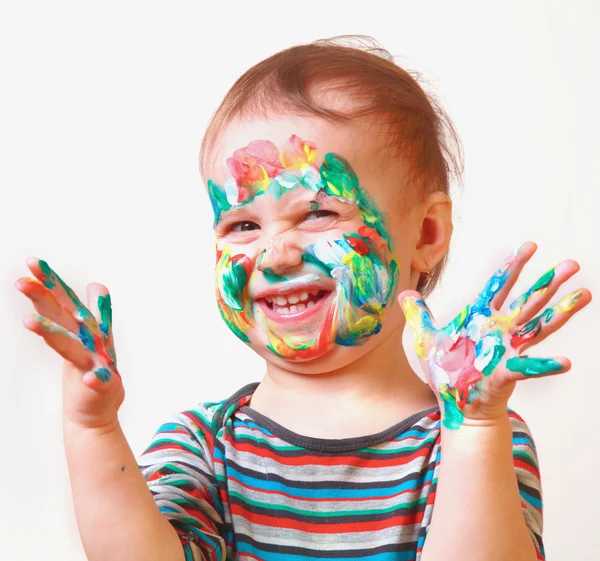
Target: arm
{"x":116,"y":514}
{"x":478,"y":491}
{"x":473,"y":365}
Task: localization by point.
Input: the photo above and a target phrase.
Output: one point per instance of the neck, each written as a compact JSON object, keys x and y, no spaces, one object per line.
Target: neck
{"x":380,"y":389}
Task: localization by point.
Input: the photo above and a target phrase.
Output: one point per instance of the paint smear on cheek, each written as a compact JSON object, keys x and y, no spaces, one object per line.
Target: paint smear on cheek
{"x":232,"y":274}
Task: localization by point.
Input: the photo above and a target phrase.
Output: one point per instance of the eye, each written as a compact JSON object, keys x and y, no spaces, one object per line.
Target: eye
{"x":319,"y":214}
{"x":244,"y":226}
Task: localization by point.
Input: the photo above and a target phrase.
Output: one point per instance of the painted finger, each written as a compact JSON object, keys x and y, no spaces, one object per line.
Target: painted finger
{"x":45,"y":303}
{"x":61,"y":291}
{"x":99,"y":303}
{"x":523,"y":367}
{"x":551,"y":319}
{"x":540,"y":293}
{"x":419,"y":320}
{"x":67,"y":345}
{"x":501,"y":283}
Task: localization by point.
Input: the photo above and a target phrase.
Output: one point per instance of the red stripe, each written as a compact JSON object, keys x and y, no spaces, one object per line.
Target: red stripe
{"x":337,"y":460}
{"x":328,"y":527}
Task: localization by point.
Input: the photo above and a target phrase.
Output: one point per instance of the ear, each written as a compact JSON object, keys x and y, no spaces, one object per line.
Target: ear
{"x":435,"y":232}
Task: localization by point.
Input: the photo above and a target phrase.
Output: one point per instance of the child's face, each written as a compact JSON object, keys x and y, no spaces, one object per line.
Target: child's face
{"x":310,"y":247}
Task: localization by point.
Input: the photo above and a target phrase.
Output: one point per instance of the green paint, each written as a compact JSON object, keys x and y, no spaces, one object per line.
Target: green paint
{"x":314,"y":205}
{"x":103,"y":374}
{"x":542,"y":282}
{"x":236,"y":330}
{"x":340,"y":181}
{"x":233,"y":281}
{"x":453,"y":416}
{"x":47,"y":272}
{"x":104,"y":305}
{"x":317,"y":263}
{"x":218,"y":200}
{"x":272,"y":277}
{"x":499,"y":351}
{"x":456,"y":325}
{"x":533,"y":323}
{"x":533,"y":366}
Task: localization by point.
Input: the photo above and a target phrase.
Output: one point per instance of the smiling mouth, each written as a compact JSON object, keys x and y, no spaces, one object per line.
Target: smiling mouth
{"x":293,"y":305}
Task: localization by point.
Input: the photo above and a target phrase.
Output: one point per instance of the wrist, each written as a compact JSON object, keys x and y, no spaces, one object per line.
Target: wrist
{"x":72,"y":428}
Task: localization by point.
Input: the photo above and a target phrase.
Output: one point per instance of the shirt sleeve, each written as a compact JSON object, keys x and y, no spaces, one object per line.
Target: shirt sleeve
{"x":179,"y":470}
{"x":526,"y":465}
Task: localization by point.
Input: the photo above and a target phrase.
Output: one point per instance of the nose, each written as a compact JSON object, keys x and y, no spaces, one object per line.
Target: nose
{"x":279,"y":256}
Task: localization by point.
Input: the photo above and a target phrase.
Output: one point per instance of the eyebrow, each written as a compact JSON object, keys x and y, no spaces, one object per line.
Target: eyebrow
{"x":229,"y":213}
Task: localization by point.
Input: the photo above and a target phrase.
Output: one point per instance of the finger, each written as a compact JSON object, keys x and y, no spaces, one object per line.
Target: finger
{"x":522,"y":367}
{"x":551,"y":319}
{"x":540,"y":293}
{"x":45,"y":303}
{"x":61,"y":291}
{"x":419,"y":319}
{"x":502,"y":282}
{"x":99,"y":304}
{"x":62,"y":341}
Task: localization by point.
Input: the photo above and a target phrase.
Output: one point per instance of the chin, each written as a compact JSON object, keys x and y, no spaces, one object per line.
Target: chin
{"x":329,"y":359}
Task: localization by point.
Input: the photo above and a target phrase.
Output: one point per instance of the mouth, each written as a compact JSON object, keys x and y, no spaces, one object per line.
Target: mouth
{"x":294,"y":305}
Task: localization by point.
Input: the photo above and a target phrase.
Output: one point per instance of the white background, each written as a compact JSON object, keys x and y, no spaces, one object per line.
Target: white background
{"x":103,"y":105}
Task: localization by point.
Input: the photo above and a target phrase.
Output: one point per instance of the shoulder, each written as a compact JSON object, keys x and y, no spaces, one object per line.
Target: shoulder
{"x":200,"y":424}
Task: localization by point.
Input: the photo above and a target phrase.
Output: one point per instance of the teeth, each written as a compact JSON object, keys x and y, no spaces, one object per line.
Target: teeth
{"x":290,"y":303}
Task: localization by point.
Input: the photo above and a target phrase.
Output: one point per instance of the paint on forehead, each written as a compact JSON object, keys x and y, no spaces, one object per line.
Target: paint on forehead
{"x":261,"y":168}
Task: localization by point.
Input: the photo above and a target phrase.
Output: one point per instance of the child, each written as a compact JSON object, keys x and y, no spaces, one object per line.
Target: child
{"x":328,"y":170}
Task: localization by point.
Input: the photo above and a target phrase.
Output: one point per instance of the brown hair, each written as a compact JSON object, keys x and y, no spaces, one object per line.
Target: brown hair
{"x":418,"y":132}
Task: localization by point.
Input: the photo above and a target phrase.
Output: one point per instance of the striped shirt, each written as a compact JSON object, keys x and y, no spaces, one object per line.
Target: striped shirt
{"x":236,"y":485}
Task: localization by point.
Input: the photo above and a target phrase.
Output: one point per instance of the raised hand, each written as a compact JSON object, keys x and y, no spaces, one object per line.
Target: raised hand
{"x":474,"y":362}
{"x":92,"y":387}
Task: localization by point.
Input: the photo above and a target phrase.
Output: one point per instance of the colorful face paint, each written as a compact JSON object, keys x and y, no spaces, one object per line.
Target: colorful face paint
{"x":462,"y":354}
{"x":232,"y":274}
{"x":360,"y":263}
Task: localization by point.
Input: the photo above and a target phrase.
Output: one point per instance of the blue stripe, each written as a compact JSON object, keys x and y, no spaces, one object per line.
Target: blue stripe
{"x":537,"y":503}
{"x":330,"y":493}
{"x":243,"y":548}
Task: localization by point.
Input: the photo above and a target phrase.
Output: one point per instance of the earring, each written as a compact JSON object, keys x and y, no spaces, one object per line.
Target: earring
{"x":428,"y":274}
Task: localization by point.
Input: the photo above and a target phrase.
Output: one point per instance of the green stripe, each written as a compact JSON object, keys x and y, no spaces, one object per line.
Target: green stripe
{"x":328,"y":513}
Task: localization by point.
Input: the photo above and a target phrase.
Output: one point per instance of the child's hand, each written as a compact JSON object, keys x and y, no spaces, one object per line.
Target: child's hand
{"x":474,"y":362}
{"x":92,"y":387}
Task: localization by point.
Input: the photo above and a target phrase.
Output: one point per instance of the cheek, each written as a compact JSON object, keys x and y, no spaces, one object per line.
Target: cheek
{"x":366,"y":274}
{"x":231,"y":276}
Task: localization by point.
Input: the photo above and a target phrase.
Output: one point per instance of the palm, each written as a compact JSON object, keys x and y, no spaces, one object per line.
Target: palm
{"x":473,"y":362}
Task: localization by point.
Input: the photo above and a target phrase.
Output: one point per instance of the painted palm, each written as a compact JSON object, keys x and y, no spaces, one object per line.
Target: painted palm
{"x":476,"y":356}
